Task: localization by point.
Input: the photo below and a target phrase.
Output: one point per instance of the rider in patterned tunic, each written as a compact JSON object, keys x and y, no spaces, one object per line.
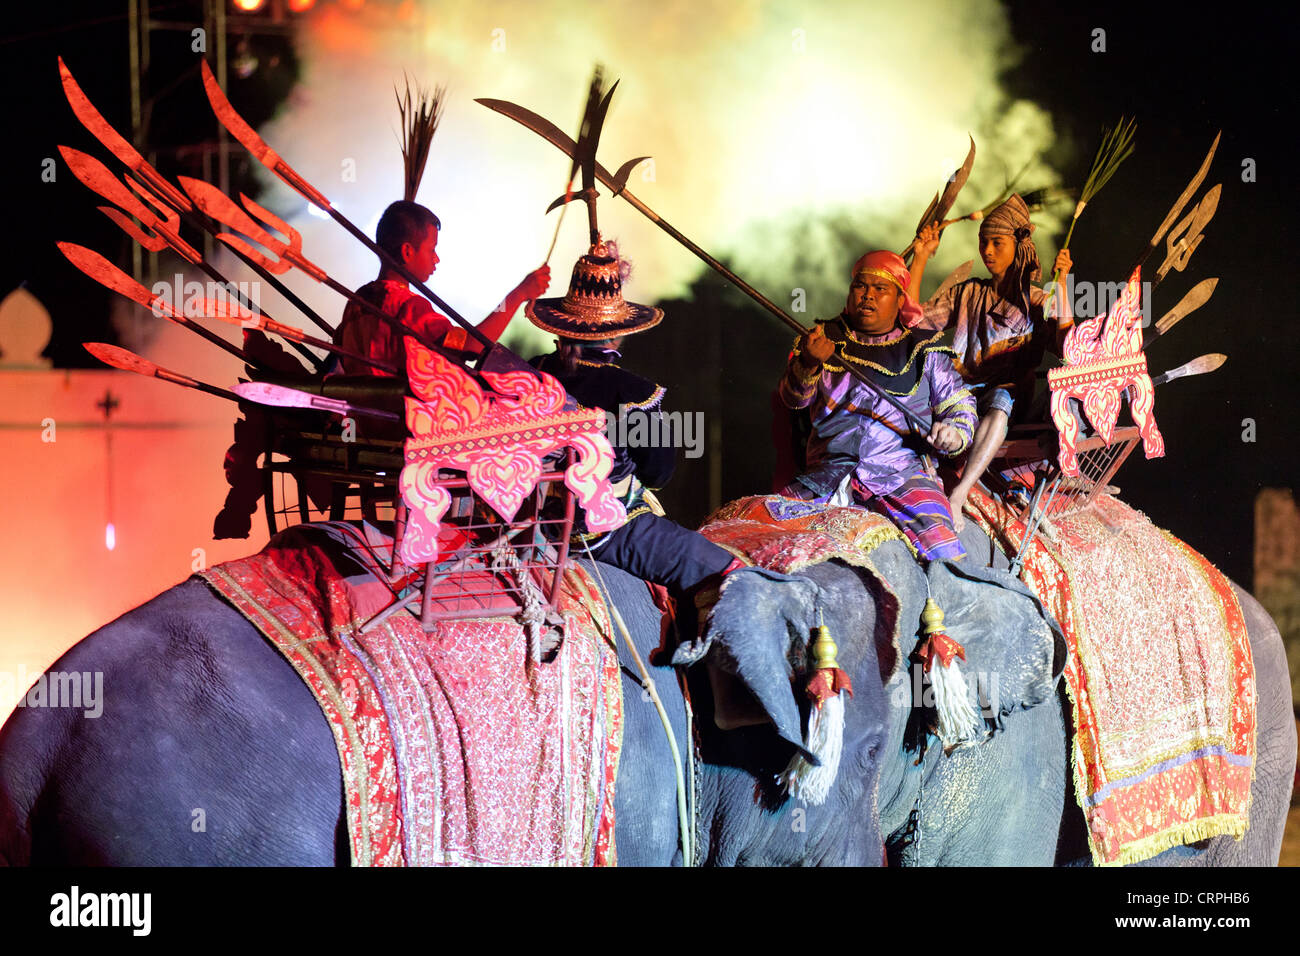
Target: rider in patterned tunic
{"x":862,"y":449}
{"x":999,"y":327}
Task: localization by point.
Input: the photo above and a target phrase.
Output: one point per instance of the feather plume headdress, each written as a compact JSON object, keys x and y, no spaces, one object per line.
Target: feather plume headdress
{"x":420,"y":112}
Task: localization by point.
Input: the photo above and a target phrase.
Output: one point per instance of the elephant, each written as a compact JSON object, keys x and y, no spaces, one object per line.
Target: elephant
{"x":218,"y":719}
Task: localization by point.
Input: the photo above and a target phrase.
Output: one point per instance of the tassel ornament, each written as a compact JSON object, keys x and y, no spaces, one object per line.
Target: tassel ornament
{"x":958,"y":721}
{"x":827,"y":689}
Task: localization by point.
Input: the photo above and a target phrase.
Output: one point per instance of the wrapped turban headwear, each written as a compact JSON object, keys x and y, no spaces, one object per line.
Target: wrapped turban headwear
{"x":889,"y":265}
{"x":1012,"y":219}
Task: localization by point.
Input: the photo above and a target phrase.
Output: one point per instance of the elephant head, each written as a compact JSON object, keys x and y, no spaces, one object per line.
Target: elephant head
{"x":760,"y":632}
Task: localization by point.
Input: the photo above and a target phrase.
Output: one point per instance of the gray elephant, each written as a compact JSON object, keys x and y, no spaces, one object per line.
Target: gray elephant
{"x":217,"y":718}
{"x":200,"y":711}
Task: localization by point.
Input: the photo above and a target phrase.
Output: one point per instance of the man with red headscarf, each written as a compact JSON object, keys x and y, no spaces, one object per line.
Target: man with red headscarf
{"x":862,"y":449}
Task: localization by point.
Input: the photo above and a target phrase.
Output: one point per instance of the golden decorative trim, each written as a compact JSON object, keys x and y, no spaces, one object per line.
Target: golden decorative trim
{"x":655,"y":398}
{"x":880,"y":274}
{"x":953,"y":399}
{"x":853,"y":337}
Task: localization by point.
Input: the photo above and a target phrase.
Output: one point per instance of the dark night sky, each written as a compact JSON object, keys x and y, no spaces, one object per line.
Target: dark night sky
{"x":1185,"y":75}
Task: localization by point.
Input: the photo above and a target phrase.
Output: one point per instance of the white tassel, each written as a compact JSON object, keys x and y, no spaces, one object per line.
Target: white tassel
{"x":958,"y":721}
{"x":802,"y":780}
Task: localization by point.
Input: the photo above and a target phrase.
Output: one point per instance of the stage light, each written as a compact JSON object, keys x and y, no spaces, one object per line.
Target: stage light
{"x":301,"y":6}
{"x":110,"y":536}
{"x":249,"y":6}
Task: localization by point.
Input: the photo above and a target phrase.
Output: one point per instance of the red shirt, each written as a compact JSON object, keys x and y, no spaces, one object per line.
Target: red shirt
{"x":368,"y":335}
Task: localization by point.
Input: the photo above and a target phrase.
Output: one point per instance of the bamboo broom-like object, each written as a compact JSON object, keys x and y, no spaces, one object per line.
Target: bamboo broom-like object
{"x":1116,"y":146}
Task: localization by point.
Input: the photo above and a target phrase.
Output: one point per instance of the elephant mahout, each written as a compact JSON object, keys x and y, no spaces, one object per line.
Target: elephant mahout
{"x":201,"y":712}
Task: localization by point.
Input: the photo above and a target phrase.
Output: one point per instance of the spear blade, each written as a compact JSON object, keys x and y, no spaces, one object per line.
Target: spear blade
{"x":106,"y":274}
{"x":110,"y":276}
{"x":247,"y":136}
{"x":279,"y":396}
{"x":1197,"y":366}
{"x":120,"y":358}
{"x":1196,"y":297}
{"x":545,"y":129}
{"x":940,"y":205}
{"x":128,"y":361}
{"x":552,"y":134}
{"x":1182,"y":201}
{"x":112,"y":140}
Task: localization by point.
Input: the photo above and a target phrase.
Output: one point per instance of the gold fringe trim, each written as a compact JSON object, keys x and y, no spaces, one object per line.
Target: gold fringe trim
{"x":655,"y":398}
{"x":1223,"y":824}
{"x":953,"y":399}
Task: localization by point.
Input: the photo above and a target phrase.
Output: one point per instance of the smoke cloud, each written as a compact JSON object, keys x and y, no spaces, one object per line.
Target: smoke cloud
{"x":785,"y":136}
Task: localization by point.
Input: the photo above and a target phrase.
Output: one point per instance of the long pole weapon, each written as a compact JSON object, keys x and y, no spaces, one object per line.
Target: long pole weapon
{"x":254,"y":320}
{"x":128,"y":361}
{"x":105,"y":273}
{"x":265,"y":393}
{"x":215,"y":205}
{"x":1181,"y":202}
{"x":617,"y":185}
{"x":239,"y":128}
{"x":153,"y":181}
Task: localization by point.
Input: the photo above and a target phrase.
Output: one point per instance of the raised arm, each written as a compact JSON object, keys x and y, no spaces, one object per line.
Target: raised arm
{"x":927,"y":241}
{"x":533,"y":286}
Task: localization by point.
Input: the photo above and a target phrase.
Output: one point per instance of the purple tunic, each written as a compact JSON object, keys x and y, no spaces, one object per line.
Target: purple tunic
{"x":992,"y":337}
{"x":855,"y":430}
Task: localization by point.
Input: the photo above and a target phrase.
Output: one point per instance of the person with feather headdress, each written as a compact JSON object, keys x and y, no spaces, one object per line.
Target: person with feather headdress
{"x":408,"y":232}
{"x":1001,"y":328}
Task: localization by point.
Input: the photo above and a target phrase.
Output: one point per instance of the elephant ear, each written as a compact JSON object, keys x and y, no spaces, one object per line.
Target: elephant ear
{"x":758,"y":632}
{"x":1015,"y":649}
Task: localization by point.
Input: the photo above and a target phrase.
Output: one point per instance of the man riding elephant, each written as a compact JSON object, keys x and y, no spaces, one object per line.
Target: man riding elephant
{"x":861,"y":449}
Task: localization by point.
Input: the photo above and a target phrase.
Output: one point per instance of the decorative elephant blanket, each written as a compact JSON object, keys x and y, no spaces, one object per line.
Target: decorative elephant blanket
{"x":1160,"y":675}
{"x":455,"y":747}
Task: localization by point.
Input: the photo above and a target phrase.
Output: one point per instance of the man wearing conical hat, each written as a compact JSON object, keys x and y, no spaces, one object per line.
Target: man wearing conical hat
{"x":1000,"y":331}
{"x":862,"y":449}
{"x":591,"y":321}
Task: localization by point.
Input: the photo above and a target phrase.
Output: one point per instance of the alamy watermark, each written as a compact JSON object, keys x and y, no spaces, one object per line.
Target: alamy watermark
{"x":82,"y":690}
{"x":1088,"y":299}
{"x":193,"y":299}
{"x":636,"y":427}
{"x":981,"y":691}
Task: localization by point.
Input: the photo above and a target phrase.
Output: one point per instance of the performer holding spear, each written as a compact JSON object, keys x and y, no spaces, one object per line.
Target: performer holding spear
{"x":408,"y":233}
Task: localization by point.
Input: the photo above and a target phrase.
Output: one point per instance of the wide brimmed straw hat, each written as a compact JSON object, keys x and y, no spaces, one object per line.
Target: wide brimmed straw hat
{"x":595,"y":308}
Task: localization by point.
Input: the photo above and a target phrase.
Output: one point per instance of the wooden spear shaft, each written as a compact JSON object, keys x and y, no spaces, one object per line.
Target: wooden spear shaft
{"x":766,"y":303}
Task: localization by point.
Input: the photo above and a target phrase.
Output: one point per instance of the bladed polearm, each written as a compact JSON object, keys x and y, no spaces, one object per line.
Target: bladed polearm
{"x":617,"y":184}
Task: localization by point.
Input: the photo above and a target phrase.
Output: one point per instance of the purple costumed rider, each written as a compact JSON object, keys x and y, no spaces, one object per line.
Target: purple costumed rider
{"x":862,"y":449}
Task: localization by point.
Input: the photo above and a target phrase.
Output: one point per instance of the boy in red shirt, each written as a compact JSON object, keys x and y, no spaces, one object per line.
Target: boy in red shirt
{"x":409,"y":233}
